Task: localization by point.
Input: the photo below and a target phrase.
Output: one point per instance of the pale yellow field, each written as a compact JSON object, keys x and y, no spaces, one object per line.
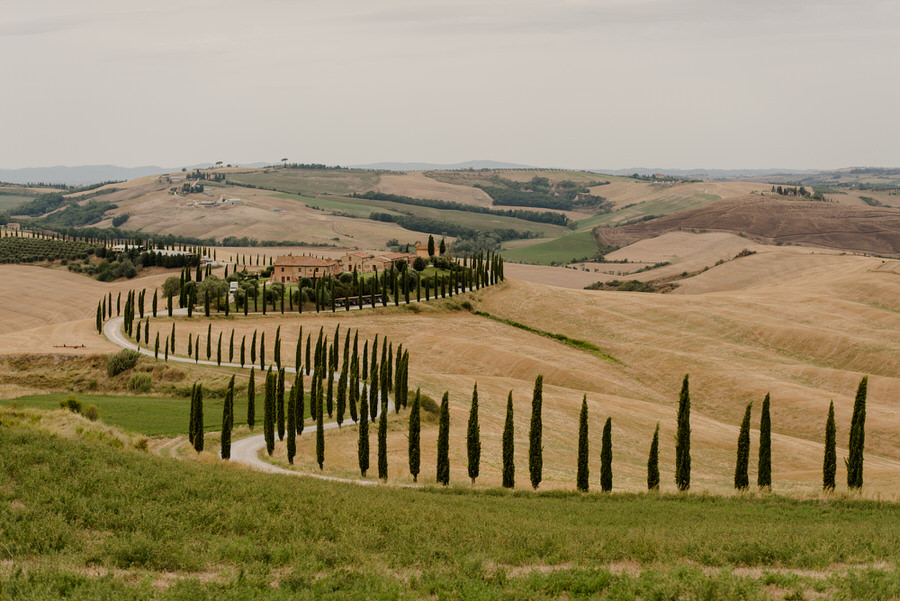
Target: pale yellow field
{"x":804,"y":327}
{"x":418,"y":185}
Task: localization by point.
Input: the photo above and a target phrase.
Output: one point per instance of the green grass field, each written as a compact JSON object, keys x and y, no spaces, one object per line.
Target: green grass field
{"x":11,"y":201}
{"x":153,"y":416}
{"x":83,"y":520}
{"x":310,"y":181}
{"x":659,"y":208}
{"x":562,"y":250}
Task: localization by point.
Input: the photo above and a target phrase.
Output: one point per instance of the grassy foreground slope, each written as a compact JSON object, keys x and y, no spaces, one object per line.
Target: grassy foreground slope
{"x":82,"y":519}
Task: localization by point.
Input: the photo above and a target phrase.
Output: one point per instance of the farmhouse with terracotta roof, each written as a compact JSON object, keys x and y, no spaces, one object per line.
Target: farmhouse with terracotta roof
{"x":290,"y":269}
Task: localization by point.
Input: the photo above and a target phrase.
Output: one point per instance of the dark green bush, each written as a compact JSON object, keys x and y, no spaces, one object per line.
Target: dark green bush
{"x":121,"y":361}
{"x":140,"y":382}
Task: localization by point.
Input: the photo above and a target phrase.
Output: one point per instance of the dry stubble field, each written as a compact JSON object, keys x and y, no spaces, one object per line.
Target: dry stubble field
{"x":804,"y":327}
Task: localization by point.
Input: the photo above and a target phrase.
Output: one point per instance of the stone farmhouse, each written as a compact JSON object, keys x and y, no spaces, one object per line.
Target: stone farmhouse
{"x":291,"y":269}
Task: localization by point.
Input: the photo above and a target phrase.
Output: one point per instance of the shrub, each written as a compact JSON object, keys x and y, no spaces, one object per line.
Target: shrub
{"x":121,"y":361}
{"x":92,"y":413}
{"x":140,"y":382}
{"x":71,"y":403}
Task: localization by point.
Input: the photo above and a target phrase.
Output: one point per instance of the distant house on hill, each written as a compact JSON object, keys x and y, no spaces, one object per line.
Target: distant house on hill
{"x":364,"y":262}
{"x":290,"y":269}
{"x":421,"y":250}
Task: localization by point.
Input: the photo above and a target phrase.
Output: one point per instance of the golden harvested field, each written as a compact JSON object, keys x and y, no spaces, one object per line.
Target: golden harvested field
{"x":804,"y":327}
{"x":418,"y":185}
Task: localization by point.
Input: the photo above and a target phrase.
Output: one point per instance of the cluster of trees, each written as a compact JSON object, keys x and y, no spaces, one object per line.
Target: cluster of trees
{"x":540,"y":192}
{"x":800,"y":191}
{"x":534,"y":216}
{"x":448,"y":228}
{"x":14,"y":249}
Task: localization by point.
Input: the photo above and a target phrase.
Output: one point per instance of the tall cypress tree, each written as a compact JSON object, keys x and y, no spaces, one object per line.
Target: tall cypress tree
{"x":279,"y":404}
{"x":192,"y":424}
{"x":382,"y":446}
{"x":362,"y":446}
{"x":857,"y":438}
{"x":764,"y":475}
{"x":329,"y":395}
{"x":262,"y":351}
{"x":292,"y":425}
{"x":251,"y":400}
{"x":829,"y":466}
{"x":443,"y":442}
{"x":198,"y":434}
{"x":300,"y":410}
{"x":535,"y":444}
{"x":219,"y":350}
{"x":269,"y":413}
{"x":243,"y":349}
{"x":606,"y":457}
{"x":683,"y":439}
{"x":583,"y":475}
{"x":653,"y":462}
{"x":509,"y":462}
{"x":373,"y":394}
{"x":473,"y":438}
{"x":208,"y":341}
{"x":414,"y":437}
{"x":320,"y":431}
{"x":353,"y":390}
{"x":227,"y":419}
{"x":308,"y":362}
{"x":741,"y":476}
{"x":298,"y":352}
{"x":253,"y":349}
{"x":231,"y":347}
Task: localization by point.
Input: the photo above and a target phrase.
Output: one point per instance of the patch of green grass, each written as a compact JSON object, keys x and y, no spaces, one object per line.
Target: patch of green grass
{"x":70,"y":509}
{"x":310,"y":181}
{"x":562,"y":250}
{"x":156,"y":416}
{"x":581,"y":345}
{"x":11,"y":201}
{"x":660,"y":207}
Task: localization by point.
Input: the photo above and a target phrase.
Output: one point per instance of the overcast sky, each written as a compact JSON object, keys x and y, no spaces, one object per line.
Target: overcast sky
{"x":569,"y":83}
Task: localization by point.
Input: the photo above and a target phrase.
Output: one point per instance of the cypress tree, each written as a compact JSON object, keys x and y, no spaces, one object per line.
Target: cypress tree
{"x":301,"y":402}
{"x":156,"y":347}
{"x":683,"y":439}
{"x":228,"y":420}
{"x":253,"y":349}
{"x":443,"y":442}
{"x":414,"y":437}
{"x":373,"y":395}
{"x":269,"y":413}
{"x":653,"y":462}
{"x":251,"y":400}
{"x":384,"y":385}
{"x":342,"y":388}
{"x":509,"y":465}
{"x":829,"y":466}
{"x":243,"y":349}
{"x":535,"y":448}
{"x":299,"y":351}
{"x":320,"y":432}
{"x":279,"y":404}
{"x":854,"y":462}
{"x":473,"y":438}
{"x":197,"y":349}
{"x":365,"y":361}
{"x":172,"y":337}
{"x":198,"y":434}
{"x":583,"y":475}
{"x":292,"y":425}
{"x":155,"y":293}
{"x":262,"y":351}
{"x":192,"y":423}
{"x":278,"y":348}
{"x":606,"y":457}
{"x":329,"y":395}
{"x":169,"y":303}
{"x":362,"y":447}
{"x":219,"y":350}
{"x":308,"y":336}
{"x":353,"y":391}
{"x":382,"y":446}
{"x":741,"y":476}
{"x":167,"y":350}
{"x":764,"y":474}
